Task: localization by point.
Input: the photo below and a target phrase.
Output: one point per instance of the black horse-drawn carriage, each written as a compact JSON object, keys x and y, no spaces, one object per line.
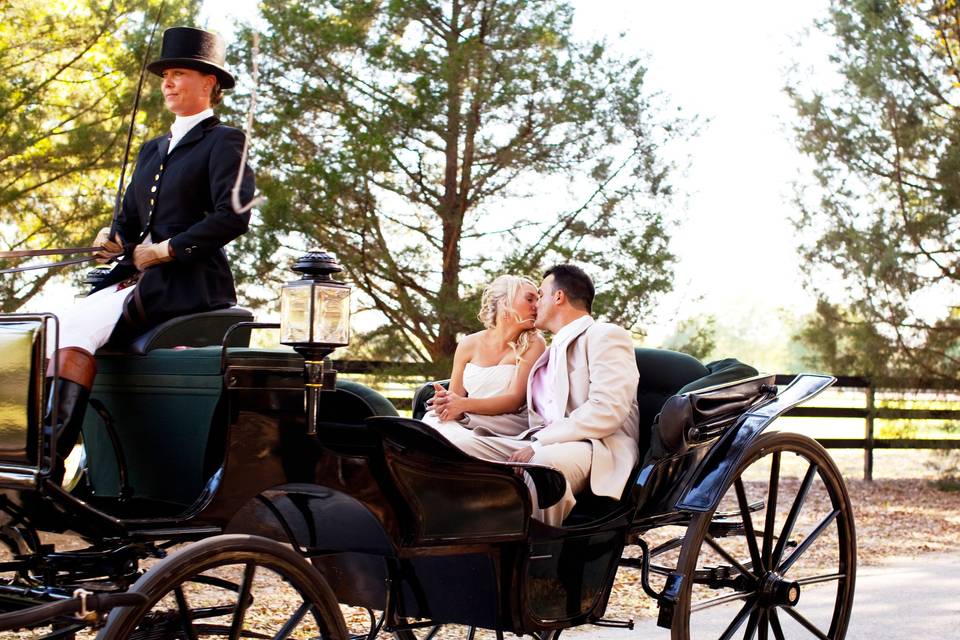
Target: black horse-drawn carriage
{"x":291,"y":512}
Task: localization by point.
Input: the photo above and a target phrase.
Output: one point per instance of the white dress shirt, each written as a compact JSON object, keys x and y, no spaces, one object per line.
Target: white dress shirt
{"x":183,"y":124}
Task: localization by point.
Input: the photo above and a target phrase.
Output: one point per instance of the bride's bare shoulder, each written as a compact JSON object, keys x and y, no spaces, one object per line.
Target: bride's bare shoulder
{"x":469,"y":343}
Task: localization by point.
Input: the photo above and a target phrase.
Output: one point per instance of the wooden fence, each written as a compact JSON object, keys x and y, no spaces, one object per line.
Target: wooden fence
{"x":869,"y":413}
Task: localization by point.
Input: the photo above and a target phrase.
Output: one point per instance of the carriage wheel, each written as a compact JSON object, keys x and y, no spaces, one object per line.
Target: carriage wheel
{"x":233,"y":586}
{"x":777,"y":558}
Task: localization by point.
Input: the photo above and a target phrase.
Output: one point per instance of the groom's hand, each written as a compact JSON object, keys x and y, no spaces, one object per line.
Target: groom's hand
{"x":523,"y":455}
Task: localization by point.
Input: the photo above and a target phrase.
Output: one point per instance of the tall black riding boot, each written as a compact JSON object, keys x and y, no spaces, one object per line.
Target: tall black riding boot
{"x":76,"y":371}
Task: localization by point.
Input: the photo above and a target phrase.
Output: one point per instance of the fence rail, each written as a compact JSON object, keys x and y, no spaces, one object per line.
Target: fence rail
{"x":869,"y":413}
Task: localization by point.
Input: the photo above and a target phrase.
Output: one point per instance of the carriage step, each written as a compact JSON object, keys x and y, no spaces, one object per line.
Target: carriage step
{"x":668,"y":600}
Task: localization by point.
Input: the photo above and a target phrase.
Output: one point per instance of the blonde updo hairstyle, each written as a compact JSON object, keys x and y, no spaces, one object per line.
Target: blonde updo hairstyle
{"x":499,"y":296}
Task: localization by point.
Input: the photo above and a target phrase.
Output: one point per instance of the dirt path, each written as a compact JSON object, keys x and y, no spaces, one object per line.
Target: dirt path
{"x":886,"y":605}
{"x":893,"y":518}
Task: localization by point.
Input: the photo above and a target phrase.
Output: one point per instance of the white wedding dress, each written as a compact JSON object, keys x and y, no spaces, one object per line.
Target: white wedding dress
{"x":483,"y":382}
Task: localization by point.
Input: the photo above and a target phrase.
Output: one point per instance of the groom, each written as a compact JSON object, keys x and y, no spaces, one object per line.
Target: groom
{"x":581,"y":398}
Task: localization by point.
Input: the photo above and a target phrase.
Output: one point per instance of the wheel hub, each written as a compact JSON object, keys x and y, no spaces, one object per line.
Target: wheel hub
{"x":775,"y":590}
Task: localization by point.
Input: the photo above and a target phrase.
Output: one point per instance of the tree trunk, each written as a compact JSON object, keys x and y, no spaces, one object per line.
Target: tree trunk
{"x":451,"y":213}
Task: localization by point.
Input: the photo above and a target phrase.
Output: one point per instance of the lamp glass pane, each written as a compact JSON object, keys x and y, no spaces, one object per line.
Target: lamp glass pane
{"x":295,"y":313}
{"x":331,"y":322}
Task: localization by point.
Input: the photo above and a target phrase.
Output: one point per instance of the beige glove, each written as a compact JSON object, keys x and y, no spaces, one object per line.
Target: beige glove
{"x":150,"y":255}
{"x":109,"y":248}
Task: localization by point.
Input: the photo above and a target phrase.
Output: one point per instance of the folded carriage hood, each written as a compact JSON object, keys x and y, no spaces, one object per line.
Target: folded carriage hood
{"x":716,"y":471}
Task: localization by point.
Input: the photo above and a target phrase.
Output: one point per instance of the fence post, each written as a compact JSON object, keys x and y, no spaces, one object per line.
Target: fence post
{"x":868,"y":436}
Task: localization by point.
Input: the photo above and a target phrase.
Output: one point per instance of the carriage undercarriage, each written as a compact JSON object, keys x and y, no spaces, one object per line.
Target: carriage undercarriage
{"x":727,"y":528}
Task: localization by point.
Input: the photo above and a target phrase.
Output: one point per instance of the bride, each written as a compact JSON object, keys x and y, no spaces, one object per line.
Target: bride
{"x":488,"y":384}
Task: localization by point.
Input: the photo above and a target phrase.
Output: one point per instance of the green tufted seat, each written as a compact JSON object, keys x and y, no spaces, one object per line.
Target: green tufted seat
{"x":664,"y":373}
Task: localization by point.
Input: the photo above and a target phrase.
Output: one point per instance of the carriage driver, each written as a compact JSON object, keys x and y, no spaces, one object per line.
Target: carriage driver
{"x":581,"y":399}
{"x":175,"y":219}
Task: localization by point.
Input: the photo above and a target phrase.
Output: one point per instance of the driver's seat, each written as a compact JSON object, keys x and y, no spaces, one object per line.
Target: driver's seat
{"x":204,"y":329}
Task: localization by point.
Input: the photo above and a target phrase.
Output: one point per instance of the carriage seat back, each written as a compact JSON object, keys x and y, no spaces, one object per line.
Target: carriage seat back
{"x":662,"y":374}
{"x":203,"y":329}
{"x":162,"y":405}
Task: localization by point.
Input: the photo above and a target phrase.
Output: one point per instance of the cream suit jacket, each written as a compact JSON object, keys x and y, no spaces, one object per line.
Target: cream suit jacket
{"x":599,"y":396}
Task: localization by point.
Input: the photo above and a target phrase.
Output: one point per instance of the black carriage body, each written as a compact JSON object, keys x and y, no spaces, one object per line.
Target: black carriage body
{"x":381,"y":515}
{"x":210,"y":440}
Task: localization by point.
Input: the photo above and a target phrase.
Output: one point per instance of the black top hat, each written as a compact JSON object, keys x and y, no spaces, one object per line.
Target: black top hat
{"x":193,"y":49}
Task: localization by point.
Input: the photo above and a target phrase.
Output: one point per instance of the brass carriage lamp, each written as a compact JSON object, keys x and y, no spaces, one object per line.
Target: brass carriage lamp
{"x":315,"y":320}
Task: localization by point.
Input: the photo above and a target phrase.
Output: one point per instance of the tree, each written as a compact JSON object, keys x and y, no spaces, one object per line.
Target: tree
{"x":69,"y":74}
{"x":886,"y":214}
{"x":413,"y":139}
{"x":696,"y":336}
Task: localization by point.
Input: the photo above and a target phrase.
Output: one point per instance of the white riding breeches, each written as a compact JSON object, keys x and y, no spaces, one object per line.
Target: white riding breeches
{"x":89,"y":323}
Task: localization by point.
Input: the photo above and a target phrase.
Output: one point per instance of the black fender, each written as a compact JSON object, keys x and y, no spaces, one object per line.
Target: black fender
{"x":715,"y":472}
{"x":313,"y":518}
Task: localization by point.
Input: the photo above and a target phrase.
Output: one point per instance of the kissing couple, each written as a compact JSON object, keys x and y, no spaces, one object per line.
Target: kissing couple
{"x":571,"y":406}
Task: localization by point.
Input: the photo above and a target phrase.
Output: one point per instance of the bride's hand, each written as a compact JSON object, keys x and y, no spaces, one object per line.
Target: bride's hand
{"x":449,"y":405}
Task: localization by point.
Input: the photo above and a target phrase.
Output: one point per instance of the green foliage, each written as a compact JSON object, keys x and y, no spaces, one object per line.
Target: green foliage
{"x":844,"y":343}
{"x":886,"y":214}
{"x":897,"y":429}
{"x":69,"y":74}
{"x":750,"y":332}
{"x":696,"y":336}
{"x":397,"y":134}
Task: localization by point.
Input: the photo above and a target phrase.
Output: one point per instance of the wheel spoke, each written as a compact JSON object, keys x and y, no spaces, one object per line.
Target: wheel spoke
{"x":292,"y":623}
{"x":715,"y":602}
{"x":794,"y":513}
{"x":242,"y":601}
{"x":764,"y":626}
{"x":738,"y":620}
{"x":752,"y":625}
{"x":748,"y":524}
{"x":810,"y":539}
{"x":729,"y":558}
{"x":771,"y":511}
{"x":775,"y":625}
{"x":669,"y":545}
{"x":827,"y":577}
{"x":809,"y":626}
{"x":186,"y":618}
